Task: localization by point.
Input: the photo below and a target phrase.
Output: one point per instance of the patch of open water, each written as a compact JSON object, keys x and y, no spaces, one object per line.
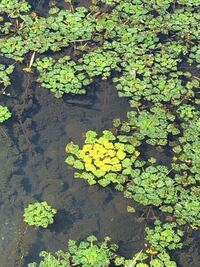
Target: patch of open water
{"x":33,"y":168}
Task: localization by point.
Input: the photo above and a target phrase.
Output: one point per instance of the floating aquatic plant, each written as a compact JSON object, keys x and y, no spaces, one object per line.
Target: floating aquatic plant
{"x":39,"y":34}
{"x":39,"y":214}
{"x":151,"y":186}
{"x":102,"y":160}
{"x":14,"y":8}
{"x":5,"y":114}
{"x":164,"y":236}
{"x":5,"y":76}
{"x":155,"y":126}
{"x":187,"y":208}
{"x":124,"y":38}
{"x":88,"y":253}
{"x":187,"y":151}
{"x":92,"y":253}
{"x":100,"y":62}
{"x":61,"y":76}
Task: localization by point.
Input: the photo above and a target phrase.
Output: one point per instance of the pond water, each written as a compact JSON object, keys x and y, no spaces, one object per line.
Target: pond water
{"x":32,"y":168}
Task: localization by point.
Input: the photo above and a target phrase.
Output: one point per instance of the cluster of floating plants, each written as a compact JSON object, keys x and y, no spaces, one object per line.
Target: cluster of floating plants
{"x":5,"y":76}
{"x":92,"y":253}
{"x":39,"y":214}
{"x":151,"y":186}
{"x":154,"y":125}
{"x":14,"y":8}
{"x":61,"y":76}
{"x":164,"y":236}
{"x":124,"y":42}
{"x":103,"y":160}
{"x":148,"y":49}
{"x":5,"y":81}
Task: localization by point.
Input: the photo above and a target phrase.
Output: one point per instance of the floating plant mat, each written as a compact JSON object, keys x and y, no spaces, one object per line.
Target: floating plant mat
{"x":117,"y":84}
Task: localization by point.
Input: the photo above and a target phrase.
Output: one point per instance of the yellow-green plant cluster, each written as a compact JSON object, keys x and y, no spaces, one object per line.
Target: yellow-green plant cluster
{"x":104,"y":160}
{"x":103,"y":155}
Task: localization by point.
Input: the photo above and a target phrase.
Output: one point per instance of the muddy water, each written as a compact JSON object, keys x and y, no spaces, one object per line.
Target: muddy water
{"x":32,"y":168}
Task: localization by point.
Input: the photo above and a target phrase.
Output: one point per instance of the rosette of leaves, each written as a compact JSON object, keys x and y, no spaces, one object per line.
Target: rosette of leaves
{"x":61,"y":76}
{"x":187,"y":208}
{"x":5,"y":76}
{"x":151,"y":186}
{"x":14,"y":8}
{"x":155,"y":125}
{"x":102,"y":160}
{"x":92,"y":253}
{"x":164,"y":236}
{"x":5,"y":114}
{"x":58,"y":259}
{"x":39,"y":214}
{"x":88,"y":253}
{"x":100,"y":62}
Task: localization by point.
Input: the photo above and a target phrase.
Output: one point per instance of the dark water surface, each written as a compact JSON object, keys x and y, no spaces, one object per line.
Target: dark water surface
{"x":32,"y":168}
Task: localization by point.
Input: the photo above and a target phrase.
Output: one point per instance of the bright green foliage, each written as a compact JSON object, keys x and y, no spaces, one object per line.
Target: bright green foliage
{"x":5,"y":27}
{"x":101,"y":63}
{"x":155,"y":125}
{"x":40,"y":34}
{"x":151,"y":186}
{"x":88,"y":253}
{"x":123,"y":41}
{"x":60,"y":259}
{"x":66,"y":76}
{"x":4,"y":76}
{"x":156,"y":77}
{"x":61,"y":76}
{"x":14,"y":8}
{"x":162,"y":260}
{"x":194,"y":3}
{"x":102,"y":160}
{"x":91,"y":253}
{"x":187,"y":208}
{"x":39,"y":214}
{"x":164,"y":236}
{"x":187,"y":112}
{"x":188,"y":160}
{"x":5,"y":114}
{"x":147,"y":259}
{"x":195,"y":55}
